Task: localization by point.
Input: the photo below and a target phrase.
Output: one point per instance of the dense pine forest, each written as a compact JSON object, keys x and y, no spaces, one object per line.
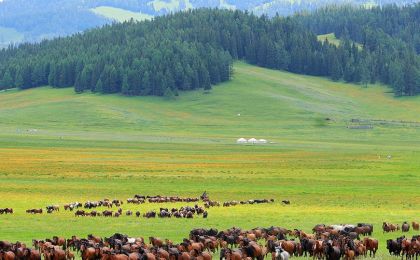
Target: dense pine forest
{"x":390,"y":37}
{"x":196,"y":48}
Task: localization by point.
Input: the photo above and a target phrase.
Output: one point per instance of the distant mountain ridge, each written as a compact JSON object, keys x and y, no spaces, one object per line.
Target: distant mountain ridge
{"x":22,"y":20}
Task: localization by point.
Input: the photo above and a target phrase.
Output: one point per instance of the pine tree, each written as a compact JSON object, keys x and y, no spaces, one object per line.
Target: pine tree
{"x":7,"y":81}
{"x":78,"y":85}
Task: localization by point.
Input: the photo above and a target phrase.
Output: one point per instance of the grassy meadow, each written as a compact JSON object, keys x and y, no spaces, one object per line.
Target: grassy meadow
{"x":57,"y":147}
{"x":120,"y":15}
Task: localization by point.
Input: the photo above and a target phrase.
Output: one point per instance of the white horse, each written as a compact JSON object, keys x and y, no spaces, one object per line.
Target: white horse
{"x":281,"y":254}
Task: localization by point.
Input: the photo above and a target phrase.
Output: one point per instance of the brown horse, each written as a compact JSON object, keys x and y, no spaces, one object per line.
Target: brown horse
{"x":318,"y":249}
{"x":288,"y":246}
{"x":88,"y":253}
{"x":371,"y":245}
{"x":415,"y":225}
{"x":57,"y":254}
{"x":230,"y":254}
{"x":8,"y":255}
{"x":155,"y":241}
{"x":31,"y":254}
{"x":253,"y":251}
{"x":389,"y":227}
{"x":349,"y":254}
{"x":406,"y":248}
{"x":69,"y":255}
{"x":196,"y":255}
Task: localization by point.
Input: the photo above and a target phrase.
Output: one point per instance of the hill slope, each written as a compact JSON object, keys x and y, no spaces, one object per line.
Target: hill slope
{"x":78,"y":147}
{"x":271,"y":103}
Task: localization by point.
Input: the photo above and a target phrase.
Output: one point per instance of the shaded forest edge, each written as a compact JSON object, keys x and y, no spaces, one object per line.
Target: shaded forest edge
{"x":195,"y":49}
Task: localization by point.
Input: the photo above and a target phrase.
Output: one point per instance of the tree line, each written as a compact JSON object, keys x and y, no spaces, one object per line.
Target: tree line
{"x":195,"y":49}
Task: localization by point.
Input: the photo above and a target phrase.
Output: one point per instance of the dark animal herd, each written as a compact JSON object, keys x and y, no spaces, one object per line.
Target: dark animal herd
{"x":91,"y":208}
{"x":331,"y":242}
{"x":410,"y":247}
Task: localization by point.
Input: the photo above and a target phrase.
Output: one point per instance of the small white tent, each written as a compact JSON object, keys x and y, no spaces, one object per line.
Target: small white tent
{"x":252,"y":141}
{"x":262,"y":141}
{"x":241,"y":141}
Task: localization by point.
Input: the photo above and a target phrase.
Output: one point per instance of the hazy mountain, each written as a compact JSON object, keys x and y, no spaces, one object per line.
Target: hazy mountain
{"x":23,"y":20}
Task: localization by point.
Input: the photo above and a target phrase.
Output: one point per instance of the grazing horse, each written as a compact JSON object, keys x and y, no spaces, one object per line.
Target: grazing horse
{"x":253,"y":251}
{"x":318,"y":249}
{"x":371,"y":245}
{"x":281,"y":254}
{"x":394,"y":247}
{"x":88,"y":253}
{"x":5,"y":245}
{"x":230,"y":254}
{"x":389,"y":227}
{"x":8,"y":255}
{"x":156,"y":242}
{"x":406,"y":248}
{"x":349,"y":254}
{"x":332,"y":252}
{"x":69,"y":255}
{"x":307,"y":246}
{"x":405,"y":227}
{"x":31,"y":254}
{"x":415,"y":225}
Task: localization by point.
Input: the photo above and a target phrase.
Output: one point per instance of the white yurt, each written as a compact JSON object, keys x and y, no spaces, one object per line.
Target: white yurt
{"x":252,"y":141}
{"x":241,"y":141}
{"x":262,"y":141}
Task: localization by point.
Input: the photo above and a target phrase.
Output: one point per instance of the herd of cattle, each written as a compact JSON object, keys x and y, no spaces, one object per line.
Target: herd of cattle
{"x":331,"y":242}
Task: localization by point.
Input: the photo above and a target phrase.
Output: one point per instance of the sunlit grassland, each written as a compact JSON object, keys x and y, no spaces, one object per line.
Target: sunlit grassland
{"x":57,"y":146}
{"x":331,"y":38}
{"x":119,"y":14}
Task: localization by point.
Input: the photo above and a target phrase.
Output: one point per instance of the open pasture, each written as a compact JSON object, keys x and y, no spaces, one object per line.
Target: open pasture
{"x":57,"y":147}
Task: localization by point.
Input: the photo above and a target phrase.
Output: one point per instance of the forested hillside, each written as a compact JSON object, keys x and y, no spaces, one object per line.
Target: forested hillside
{"x":36,"y":20}
{"x":194,"y":49}
{"x":389,"y":35}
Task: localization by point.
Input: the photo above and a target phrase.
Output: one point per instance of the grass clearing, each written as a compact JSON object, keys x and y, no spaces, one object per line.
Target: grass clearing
{"x":334,"y":40}
{"x":119,"y":14}
{"x":57,"y":146}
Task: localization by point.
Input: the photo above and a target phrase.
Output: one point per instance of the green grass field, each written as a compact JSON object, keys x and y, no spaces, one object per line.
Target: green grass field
{"x":333,"y":39}
{"x":119,"y":14}
{"x":57,"y":146}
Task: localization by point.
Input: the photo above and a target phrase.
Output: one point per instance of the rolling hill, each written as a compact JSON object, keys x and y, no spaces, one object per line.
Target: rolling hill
{"x":75,"y":147}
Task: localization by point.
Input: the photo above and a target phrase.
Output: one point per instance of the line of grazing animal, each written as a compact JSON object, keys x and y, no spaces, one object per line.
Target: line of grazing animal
{"x":389,"y":227}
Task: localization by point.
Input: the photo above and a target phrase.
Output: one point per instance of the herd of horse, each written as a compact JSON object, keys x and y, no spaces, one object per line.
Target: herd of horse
{"x":93,"y":208}
{"x":405,"y":227}
{"x":410,"y":247}
{"x":182,"y":212}
{"x":330,"y":242}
